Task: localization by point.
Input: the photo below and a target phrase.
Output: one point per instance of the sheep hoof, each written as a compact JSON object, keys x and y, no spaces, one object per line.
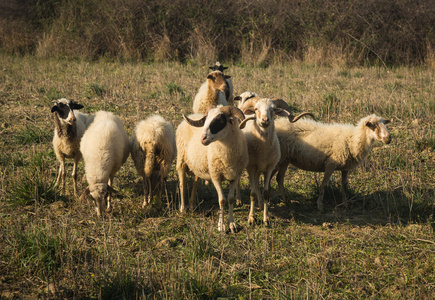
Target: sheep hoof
{"x":266,"y":222}
{"x":221,"y":227}
{"x":233,"y":227}
{"x":251,"y":221}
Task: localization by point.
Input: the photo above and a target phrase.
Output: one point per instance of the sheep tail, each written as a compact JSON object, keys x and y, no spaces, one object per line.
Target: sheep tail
{"x":149,"y":161}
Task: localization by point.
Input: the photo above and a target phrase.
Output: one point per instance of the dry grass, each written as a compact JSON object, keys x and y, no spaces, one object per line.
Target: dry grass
{"x":52,"y":245}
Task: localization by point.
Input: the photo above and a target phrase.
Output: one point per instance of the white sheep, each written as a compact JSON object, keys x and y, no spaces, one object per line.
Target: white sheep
{"x":69,"y":126}
{"x":105,"y":147}
{"x":211,"y":93}
{"x":153,"y":150}
{"x":229,"y":92}
{"x":212,"y":147}
{"x":263,"y":148}
{"x":318,"y":147}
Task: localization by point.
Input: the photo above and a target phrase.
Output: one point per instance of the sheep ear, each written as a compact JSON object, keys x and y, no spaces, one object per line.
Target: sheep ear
{"x":227,"y":76}
{"x":77,"y":106}
{"x":387,"y":122}
{"x":54,"y":108}
{"x":282,"y":112}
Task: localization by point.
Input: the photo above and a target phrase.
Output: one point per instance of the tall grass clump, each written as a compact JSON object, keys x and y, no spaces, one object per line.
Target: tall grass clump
{"x":321,"y":32}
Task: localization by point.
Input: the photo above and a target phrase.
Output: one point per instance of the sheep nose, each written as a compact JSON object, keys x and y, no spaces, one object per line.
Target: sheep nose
{"x":387,"y":140}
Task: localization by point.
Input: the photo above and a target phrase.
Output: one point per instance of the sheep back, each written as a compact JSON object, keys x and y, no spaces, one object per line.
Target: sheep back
{"x":153,"y":146}
{"x":105,"y":147}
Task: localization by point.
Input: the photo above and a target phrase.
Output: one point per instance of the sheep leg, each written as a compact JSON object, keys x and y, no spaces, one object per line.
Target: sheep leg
{"x":238,"y":197}
{"x":232,"y":186}
{"x":221,"y":198}
{"x":145,"y":192}
{"x":192,"y":202}
{"x":61,"y":176}
{"x":326,"y":177}
{"x":74,"y":174}
{"x":280,"y":179}
{"x":182,"y":179}
{"x":253,"y":178}
{"x":109,"y":196}
{"x":266,"y":196}
{"x":159,"y":193}
{"x":344,"y":182}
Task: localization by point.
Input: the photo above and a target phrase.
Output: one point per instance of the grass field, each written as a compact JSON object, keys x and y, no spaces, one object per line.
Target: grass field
{"x":53,"y":246}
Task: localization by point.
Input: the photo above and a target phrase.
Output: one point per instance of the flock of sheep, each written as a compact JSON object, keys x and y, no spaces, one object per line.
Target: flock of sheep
{"x":216,"y":143}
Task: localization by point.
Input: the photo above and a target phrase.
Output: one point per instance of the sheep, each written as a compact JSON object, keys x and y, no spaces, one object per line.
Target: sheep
{"x":69,"y":126}
{"x":211,"y":93}
{"x":243,"y":97}
{"x":212,"y":147}
{"x":105,"y":147}
{"x":318,"y":147}
{"x":229,"y":92}
{"x":263,"y":148}
{"x":153,"y":150}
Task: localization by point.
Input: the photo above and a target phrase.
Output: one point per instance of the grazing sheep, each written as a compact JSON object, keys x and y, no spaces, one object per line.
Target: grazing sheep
{"x":263,"y":148}
{"x":69,"y":126}
{"x":211,"y":93}
{"x":153,"y":150}
{"x":229,"y":92}
{"x":105,"y":147}
{"x":318,"y":147}
{"x":245,"y":96}
{"x":212,"y":147}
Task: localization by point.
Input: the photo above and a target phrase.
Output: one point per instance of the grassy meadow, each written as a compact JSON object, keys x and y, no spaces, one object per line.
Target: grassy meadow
{"x":53,"y":246}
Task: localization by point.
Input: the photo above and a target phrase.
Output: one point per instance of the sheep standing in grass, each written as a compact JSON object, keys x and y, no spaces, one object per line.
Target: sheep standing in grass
{"x":263,"y":149}
{"x":105,"y":147}
{"x":229,"y":91}
{"x":318,"y":147}
{"x":153,"y":150}
{"x":211,"y":93}
{"x":70,"y":125}
{"x":212,"y":147}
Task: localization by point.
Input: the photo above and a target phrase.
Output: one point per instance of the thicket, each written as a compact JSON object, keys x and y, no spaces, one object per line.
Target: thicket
{"x":254,"y":31}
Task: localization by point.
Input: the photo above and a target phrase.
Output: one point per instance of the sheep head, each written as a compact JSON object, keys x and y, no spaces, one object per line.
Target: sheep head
{"x":245,"y":96}
{"x":215,"y":122}
{"x":282,"y":104}
{"x":217,"y":81}
{"x":65,"y":110}
{"x":377,"y":129}
{"x":264,"y":110}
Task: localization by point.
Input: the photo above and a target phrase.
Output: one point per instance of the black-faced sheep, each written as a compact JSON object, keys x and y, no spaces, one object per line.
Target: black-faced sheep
{"x":69,"y":126}
{"x":318,"y":147}
{"x":263,"y":148}
{"x":153,"y":150}
{"x":229,"y":92}
{"x":210,"y":93}
{"x":212,"y":147}
{"x":105,"y":147}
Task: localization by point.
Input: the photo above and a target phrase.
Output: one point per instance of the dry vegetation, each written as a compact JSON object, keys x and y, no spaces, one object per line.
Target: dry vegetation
{"x":53,"y":246}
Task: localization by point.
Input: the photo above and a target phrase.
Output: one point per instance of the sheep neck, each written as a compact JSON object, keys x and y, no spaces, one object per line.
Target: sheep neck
{"x":63,"y":129}
{"x":262,"y":133}
{"x":360,"y":145}
{"x":212,"y":93}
